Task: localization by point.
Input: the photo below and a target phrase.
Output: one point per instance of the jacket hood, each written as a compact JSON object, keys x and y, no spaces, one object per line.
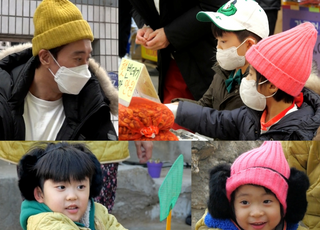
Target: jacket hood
{"x":109,"y":90}
{"x":30,"y":208}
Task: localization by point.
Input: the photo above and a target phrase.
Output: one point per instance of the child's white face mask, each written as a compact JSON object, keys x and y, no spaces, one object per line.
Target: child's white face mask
{"x":250,"y":95}
{"x":229,"y":59}
{"x":71,"y":80}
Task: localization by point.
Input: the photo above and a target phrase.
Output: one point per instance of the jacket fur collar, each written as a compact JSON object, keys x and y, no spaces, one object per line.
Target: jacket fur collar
{"x":110,"y":91}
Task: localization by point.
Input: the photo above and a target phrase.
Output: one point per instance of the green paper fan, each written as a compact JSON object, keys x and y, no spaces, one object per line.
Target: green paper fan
{"x":170,"y":188}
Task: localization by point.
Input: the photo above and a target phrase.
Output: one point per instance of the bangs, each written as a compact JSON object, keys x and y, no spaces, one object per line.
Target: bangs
{"x":65,"y":164}
{"x":216,"y":31}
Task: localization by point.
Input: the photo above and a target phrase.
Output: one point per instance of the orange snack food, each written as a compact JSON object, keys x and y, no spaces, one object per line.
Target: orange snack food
{"x":145,"y":120}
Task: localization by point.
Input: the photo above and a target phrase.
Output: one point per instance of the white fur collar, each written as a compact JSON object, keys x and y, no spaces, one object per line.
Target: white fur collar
{"x":85,"y":219}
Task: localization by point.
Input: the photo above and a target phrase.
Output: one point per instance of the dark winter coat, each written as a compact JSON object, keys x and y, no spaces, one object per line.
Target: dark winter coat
{"x":191,"y":42}
{"x":244,"y":123}
{"x":87,"y":114}
{"x":217,"y":96}
{"x":270,"y":4}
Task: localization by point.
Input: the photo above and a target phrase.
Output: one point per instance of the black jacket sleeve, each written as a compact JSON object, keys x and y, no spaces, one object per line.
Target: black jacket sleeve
{"x":210,"y":122}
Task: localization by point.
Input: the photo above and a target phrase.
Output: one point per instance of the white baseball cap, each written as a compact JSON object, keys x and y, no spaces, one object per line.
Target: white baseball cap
{"x":238,"y":15}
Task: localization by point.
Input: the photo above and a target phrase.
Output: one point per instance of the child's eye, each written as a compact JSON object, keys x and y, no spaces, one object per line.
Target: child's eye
{"x":61,"y":187}
{"x":81,"y":187}
{"x":267,"y":201}
{"x":244,"y":202}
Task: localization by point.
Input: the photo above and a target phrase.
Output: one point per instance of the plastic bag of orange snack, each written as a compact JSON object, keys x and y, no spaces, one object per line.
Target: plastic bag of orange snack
{"x":145,"y":120}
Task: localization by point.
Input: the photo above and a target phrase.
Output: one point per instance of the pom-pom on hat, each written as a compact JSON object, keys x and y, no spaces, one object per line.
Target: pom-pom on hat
{"x":238,"y":15}
{"x":57,"y":23}
{"x":265,"y":166}
{"x":285,"y":59}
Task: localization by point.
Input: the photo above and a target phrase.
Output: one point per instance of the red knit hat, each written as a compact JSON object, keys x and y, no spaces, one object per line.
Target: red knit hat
{"x":265,"y":166}
{"x":285,"y":59}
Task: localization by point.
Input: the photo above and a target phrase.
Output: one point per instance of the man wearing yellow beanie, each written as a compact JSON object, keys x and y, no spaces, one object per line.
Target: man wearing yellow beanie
{"x":54,"y":90}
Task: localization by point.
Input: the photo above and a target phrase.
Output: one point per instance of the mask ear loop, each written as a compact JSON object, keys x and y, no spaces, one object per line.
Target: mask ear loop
{"x":54,"y":61}
{"x":245,"y":41}
{"x":260,"y":83}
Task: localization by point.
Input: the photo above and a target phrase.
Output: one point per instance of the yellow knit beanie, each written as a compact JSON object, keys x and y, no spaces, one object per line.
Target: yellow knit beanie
{"x":57,"y":23}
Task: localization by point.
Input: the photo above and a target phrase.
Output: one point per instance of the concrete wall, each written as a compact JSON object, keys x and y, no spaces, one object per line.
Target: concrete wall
{"x":10,"y":199}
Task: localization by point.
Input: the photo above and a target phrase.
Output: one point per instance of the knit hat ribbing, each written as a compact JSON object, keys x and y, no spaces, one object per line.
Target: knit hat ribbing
{"x":265,"y":166}
{"x":285,"y":59}
{"x":57,"y":23}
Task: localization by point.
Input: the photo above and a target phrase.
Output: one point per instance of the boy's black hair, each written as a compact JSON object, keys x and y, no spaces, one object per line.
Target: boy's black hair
{"x":59,"y":162}
{"x":53,"y":51}
{"x":241,"y":34}
{"x":280,"y":95}
{"x":219,"y":206}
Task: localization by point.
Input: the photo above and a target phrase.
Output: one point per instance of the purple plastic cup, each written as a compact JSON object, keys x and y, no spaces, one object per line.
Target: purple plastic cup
{"x":154,"y":169}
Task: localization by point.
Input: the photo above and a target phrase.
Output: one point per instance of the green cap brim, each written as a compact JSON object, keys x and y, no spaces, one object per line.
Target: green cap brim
{"x":203,"y":17}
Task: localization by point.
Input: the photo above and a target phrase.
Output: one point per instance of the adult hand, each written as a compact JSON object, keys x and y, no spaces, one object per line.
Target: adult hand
{"x":157,"y":40}
{"x":143,"y":35}
{"x":144,"y":150}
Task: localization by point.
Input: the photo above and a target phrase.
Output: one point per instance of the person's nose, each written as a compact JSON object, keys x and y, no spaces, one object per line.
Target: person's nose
{"x":72,"y":195}
{"x":256,"y":212}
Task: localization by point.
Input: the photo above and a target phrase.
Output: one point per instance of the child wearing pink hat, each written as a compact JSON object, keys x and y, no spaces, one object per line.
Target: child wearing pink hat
{"x":259,"y":191}
{"x":278,"y":107}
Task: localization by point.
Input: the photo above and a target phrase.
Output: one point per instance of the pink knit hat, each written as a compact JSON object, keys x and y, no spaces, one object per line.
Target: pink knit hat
{"x":285,"y":59}
{"x":265,"y":166}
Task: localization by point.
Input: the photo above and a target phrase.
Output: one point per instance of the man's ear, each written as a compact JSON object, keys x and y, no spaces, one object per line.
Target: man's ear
{"x":38,"y":194}
{"x":44,"y":57}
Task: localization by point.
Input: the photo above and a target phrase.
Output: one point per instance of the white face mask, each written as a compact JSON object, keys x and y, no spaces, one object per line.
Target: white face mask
{"x":250,"y":95}
{"x":229,"y":59}
{"x":71,"y":80}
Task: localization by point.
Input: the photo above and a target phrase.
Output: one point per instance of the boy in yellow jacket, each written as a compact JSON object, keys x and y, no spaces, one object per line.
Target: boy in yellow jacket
{"x":58,"y":183}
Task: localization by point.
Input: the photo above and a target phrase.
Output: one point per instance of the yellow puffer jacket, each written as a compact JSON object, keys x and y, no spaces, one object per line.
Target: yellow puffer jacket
{"x":57,"y":221}
{"x":105,"y":151}
{"x":200,"y":225}
{"x":305,"y":156}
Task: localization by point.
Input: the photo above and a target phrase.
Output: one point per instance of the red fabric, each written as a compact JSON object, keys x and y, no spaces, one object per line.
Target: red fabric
{"x":175,"y":87}
{"x":298,"y":100}
{"x":264,"y":125}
